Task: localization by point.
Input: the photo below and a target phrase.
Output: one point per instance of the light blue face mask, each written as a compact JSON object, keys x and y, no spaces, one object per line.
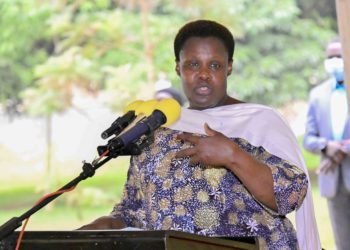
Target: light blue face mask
{"x":339,"y":76}
{"x":335,"y":67}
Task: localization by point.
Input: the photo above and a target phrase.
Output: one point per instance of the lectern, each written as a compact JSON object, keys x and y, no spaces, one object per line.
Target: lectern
{"x":124,"y":240}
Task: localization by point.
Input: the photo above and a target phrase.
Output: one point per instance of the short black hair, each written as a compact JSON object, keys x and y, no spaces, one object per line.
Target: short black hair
{"x":204,"y":28}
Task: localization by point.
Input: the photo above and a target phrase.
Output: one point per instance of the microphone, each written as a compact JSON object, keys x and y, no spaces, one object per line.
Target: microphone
{"x":123,"y":121}
{"x":141,"y":111}
{"x":166,"y":112}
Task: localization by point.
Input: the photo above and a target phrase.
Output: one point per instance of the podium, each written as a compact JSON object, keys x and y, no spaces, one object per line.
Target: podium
{"x":124,"y":240}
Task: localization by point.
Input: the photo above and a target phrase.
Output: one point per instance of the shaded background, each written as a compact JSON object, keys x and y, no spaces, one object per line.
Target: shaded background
{"x":67,"y":68}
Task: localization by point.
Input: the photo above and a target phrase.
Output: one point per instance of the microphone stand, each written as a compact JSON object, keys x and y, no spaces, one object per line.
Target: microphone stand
{"x":88,"y":171}
{"x":111,"y":150}
{"x":11,"y":225}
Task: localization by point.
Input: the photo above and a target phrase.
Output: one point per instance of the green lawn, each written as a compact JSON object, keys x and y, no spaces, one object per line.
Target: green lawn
{"x":320,"y":204}
{"x":67,"y":215}
{"x":322,"y":218}
{"x":95,"y":197}
{"x":92,"y":198}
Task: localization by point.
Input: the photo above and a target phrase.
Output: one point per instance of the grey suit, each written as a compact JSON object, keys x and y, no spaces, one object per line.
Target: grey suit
{"x":334,"y":185}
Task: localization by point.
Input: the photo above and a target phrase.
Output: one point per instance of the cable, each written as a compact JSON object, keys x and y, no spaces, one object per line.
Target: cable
{"x":38,"y":202}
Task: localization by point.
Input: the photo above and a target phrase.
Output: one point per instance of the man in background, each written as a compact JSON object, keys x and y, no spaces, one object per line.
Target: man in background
{"x":169,"y":93}
{"x":328,"y":133}
{"x":164,"y":89}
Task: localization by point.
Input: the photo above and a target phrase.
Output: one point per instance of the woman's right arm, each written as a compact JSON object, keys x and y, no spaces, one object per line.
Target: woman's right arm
{"x":105,"y":222}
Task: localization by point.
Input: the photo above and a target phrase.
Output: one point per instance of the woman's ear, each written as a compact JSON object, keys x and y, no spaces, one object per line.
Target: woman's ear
{"x":177,"y":68}
{"x":229,"y":67}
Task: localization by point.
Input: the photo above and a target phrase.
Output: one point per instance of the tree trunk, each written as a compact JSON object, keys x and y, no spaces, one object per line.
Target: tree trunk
{"x":148,"y":46}
{"x":49,"y":171}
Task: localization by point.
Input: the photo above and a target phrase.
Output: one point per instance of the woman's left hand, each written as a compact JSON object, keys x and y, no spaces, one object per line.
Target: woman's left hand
{"x":216,"y":149}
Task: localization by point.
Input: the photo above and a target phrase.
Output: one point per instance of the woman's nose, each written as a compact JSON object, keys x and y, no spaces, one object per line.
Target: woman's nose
{"x":204,"y":74}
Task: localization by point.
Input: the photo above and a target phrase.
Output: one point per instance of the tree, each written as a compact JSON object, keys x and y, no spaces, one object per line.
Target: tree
{"x":47,"y":48}
{"x":23,"y":44}
{"x":274,"y":53}
{"x":119,"y":46}
{"x":276,"y":61}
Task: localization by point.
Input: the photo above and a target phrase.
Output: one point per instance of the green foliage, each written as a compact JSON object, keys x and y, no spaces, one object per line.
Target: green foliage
{"x":276,"y":60}
{"x":312,"y":160}
{"x":24,"y":191}
{"x":23,"y":44}
{"x":320,"y":11}
{"x":109,"y":46}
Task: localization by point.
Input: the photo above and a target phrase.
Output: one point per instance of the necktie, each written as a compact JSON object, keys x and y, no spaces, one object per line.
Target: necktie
{"x":339,"y":111}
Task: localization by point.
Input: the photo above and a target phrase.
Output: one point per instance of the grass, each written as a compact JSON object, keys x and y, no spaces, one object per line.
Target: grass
{"x":320,"y":203}
{"x":311,"y":160}
{"x":65,"y":215}
{"x":322,"y":218}
{"x":92,"y":198}
{"x":96,"y":196}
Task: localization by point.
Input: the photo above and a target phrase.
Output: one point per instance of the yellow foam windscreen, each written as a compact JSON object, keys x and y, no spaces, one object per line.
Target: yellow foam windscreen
{"x":171,"y":109}
{"x":146,"y":108}
{"x":133,"y":105}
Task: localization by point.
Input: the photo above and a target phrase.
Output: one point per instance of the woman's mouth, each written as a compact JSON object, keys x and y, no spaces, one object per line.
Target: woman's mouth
{"x":203,"y":90}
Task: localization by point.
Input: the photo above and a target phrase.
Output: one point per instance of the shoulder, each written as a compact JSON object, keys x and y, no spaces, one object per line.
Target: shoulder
{"x":260,"y":115}
{"x":252,"y":111}
{"x":269,"y":118}
{"x":321,"y":89}
{"x":260,"y":110}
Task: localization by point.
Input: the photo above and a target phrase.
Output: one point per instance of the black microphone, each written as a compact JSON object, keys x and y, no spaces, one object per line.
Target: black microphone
{"x":122,"y":122}
{"x":166,"y":112}
{"x":144,"y":127}
{"x":119,"y":124}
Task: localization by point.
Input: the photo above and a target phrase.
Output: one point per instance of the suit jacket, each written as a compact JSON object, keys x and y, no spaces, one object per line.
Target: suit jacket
{"x":319,"y":131}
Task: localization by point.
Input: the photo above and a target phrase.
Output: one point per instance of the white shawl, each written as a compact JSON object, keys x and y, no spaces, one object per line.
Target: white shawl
{"x":261,"y":126}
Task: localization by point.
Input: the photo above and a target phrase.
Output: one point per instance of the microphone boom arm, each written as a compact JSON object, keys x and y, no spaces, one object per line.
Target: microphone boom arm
{"x":126,"y":142}
{"x":11,"y":225}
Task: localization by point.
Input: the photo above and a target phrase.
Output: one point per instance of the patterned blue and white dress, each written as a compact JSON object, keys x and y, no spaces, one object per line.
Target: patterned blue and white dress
{"x":167,"y":193}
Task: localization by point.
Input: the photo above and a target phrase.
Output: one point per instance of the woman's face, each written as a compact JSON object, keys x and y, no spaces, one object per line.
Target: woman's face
{"x":203,"y":68}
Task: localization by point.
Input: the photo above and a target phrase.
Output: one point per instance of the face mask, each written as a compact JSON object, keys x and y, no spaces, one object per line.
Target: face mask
{"x":335,"y":67}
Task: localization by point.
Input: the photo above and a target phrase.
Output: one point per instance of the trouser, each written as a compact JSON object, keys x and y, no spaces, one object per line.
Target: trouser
{"x":339,"y":210}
